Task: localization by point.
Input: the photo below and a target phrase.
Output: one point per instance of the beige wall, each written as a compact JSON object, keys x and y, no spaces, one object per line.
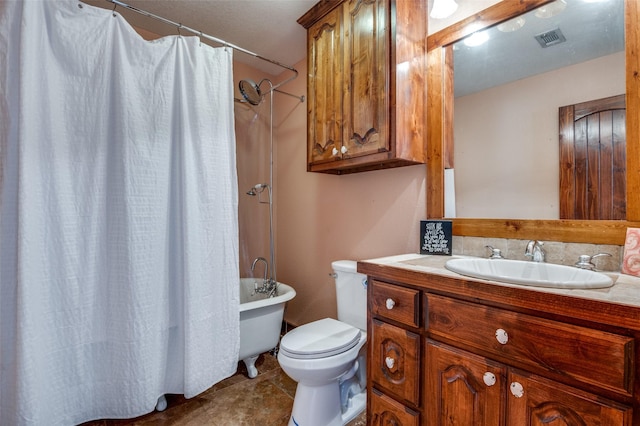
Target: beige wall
{"x":322,"y":218}
{"x":506,"y":139}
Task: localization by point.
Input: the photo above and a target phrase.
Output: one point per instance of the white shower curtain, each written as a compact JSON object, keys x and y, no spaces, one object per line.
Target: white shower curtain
{"x":118,"y":216}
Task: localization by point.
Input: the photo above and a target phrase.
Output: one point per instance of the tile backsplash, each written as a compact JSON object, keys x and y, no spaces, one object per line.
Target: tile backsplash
{"x":556,"y":252}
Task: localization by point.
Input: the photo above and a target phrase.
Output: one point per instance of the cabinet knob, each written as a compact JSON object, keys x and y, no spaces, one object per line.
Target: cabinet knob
{"x":390,"y":362}
{"x":502,"y":336}
{"x":335,"y":152}
{"x":390,"y":304}
{"x":343,"y":149}
{"x":489,"y":378}
{"x":516,"y":389}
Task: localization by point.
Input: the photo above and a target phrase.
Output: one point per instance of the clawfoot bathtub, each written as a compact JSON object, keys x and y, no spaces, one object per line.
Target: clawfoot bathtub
{"x":260,"y":320}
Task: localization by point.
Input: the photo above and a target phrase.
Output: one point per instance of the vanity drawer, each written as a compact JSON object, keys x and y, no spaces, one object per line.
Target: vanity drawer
{"x":591,"y":356}
{"x":396,"y":303}
{"x":395,"y":357}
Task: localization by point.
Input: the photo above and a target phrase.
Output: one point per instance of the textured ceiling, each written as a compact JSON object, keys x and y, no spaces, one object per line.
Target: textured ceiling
{"x":265,"y":27}
{"x":592,"y":30}
{"x":269,"y":28}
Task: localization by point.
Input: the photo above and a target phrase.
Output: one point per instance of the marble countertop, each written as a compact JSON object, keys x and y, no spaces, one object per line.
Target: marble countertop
{"x":625,"y":290}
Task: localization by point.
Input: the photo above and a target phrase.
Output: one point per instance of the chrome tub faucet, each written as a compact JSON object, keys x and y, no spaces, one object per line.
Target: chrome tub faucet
{"x":269,"y":285}
{"x":266,"y":266}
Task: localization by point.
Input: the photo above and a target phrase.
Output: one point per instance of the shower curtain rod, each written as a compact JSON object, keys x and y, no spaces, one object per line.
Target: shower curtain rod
{"x":217,"y":40}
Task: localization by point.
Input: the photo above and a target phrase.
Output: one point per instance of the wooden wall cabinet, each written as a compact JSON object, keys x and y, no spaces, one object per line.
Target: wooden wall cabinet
{"x":366,"y":87}
{"x":440,"y":354}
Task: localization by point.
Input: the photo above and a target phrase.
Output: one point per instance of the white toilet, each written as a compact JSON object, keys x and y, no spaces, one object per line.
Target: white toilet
{"x":327,"y":357}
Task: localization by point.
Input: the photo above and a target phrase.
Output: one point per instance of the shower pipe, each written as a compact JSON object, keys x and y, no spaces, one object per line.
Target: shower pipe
{"x":257,"y":190}
{"x":260,"y":187}
{"x":217,"y":40}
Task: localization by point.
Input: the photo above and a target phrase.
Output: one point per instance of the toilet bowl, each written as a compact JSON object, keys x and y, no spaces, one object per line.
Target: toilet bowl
{"x":327,"y":357}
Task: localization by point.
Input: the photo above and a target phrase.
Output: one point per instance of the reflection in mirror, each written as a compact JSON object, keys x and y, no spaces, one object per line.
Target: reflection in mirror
{"x":507,"y":95}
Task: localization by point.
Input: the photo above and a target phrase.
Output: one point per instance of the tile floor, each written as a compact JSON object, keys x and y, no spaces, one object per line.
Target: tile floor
{"x":238,"y":400}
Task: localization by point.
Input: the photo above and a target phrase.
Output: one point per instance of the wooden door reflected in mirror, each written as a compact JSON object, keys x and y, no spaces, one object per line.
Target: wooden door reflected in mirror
{"x":593,"y":160}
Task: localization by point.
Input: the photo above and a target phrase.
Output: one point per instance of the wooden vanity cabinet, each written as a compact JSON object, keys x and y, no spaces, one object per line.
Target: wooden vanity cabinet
{"x":366,"y":86}
{"x":446,"y":359}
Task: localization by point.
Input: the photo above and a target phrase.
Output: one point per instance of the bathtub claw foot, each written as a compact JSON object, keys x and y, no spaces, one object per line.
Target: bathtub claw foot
{"x":161,"y":405}
{"x":250,"y":362}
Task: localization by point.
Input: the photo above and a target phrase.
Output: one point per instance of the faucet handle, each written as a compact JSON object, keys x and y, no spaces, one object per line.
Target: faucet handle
{"x":496,"y":253}
{"x":586,"y":262}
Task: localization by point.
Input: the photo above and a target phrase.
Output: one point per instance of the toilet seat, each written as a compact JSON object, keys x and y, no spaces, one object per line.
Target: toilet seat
{"x":320,"y":339}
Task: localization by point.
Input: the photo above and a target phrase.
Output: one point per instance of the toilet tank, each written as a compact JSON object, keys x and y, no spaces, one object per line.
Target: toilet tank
{"x":351,"y":293}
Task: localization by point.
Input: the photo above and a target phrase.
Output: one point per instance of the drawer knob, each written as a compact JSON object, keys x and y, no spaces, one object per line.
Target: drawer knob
{"x":390,"y":362}
{"x":335,"y":152}
{"x":516,"y":390}
{"x":390,"y":303}
{"x":343,"y":149}
{"x":501,"y":336}
{"x":489,"y":378}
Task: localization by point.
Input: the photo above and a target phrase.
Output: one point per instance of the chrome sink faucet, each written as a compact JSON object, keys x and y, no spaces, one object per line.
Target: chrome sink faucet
{"x":535,"y":251}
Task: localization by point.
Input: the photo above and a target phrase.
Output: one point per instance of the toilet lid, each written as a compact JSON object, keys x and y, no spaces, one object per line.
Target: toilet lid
{"x":319,"y":339}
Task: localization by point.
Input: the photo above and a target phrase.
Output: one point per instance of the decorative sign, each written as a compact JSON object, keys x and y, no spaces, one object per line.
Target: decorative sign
{"x":435,"y":237}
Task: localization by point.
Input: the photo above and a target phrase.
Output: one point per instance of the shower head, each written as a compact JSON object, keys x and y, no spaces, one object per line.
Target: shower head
{"x":251,"y":91}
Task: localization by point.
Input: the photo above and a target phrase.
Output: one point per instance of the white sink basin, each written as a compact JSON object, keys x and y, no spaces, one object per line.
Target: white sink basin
{"x":528,"y":273}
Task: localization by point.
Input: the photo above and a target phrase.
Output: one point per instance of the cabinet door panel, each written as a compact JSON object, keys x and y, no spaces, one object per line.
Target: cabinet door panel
{"x":366,"y":65}
{"x":543,"y":403}
{"x":395,"y":361}
{"x":325,"y":83}
{"x":462,"y":388}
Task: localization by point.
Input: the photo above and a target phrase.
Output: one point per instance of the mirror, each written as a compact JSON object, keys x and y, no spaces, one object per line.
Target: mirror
{"x":507,"y":92}
{"x":440,"y":137}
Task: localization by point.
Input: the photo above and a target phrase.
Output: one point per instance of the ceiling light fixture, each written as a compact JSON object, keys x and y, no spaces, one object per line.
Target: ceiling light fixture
{"x":551,"y":9}
{"x":443,"y":8}
{"x":512,"y":25}
{"x":476,"y":39}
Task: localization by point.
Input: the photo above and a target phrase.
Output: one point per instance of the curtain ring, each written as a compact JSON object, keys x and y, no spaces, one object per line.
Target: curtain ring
{"x":179,"y":33}
{"x":113,"y":11}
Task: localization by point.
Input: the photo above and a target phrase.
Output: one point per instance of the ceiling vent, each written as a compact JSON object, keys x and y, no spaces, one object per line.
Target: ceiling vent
{"x":550,"y":38}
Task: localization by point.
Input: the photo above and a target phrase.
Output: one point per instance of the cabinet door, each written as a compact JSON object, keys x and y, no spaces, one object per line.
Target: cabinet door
{"x":535,"y":401}
{"x":366,"y":65}
{"x":395,"y":362}
{"x":462,"y":388}
{"x":325,"y":87}
{"x":387,"y":412}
